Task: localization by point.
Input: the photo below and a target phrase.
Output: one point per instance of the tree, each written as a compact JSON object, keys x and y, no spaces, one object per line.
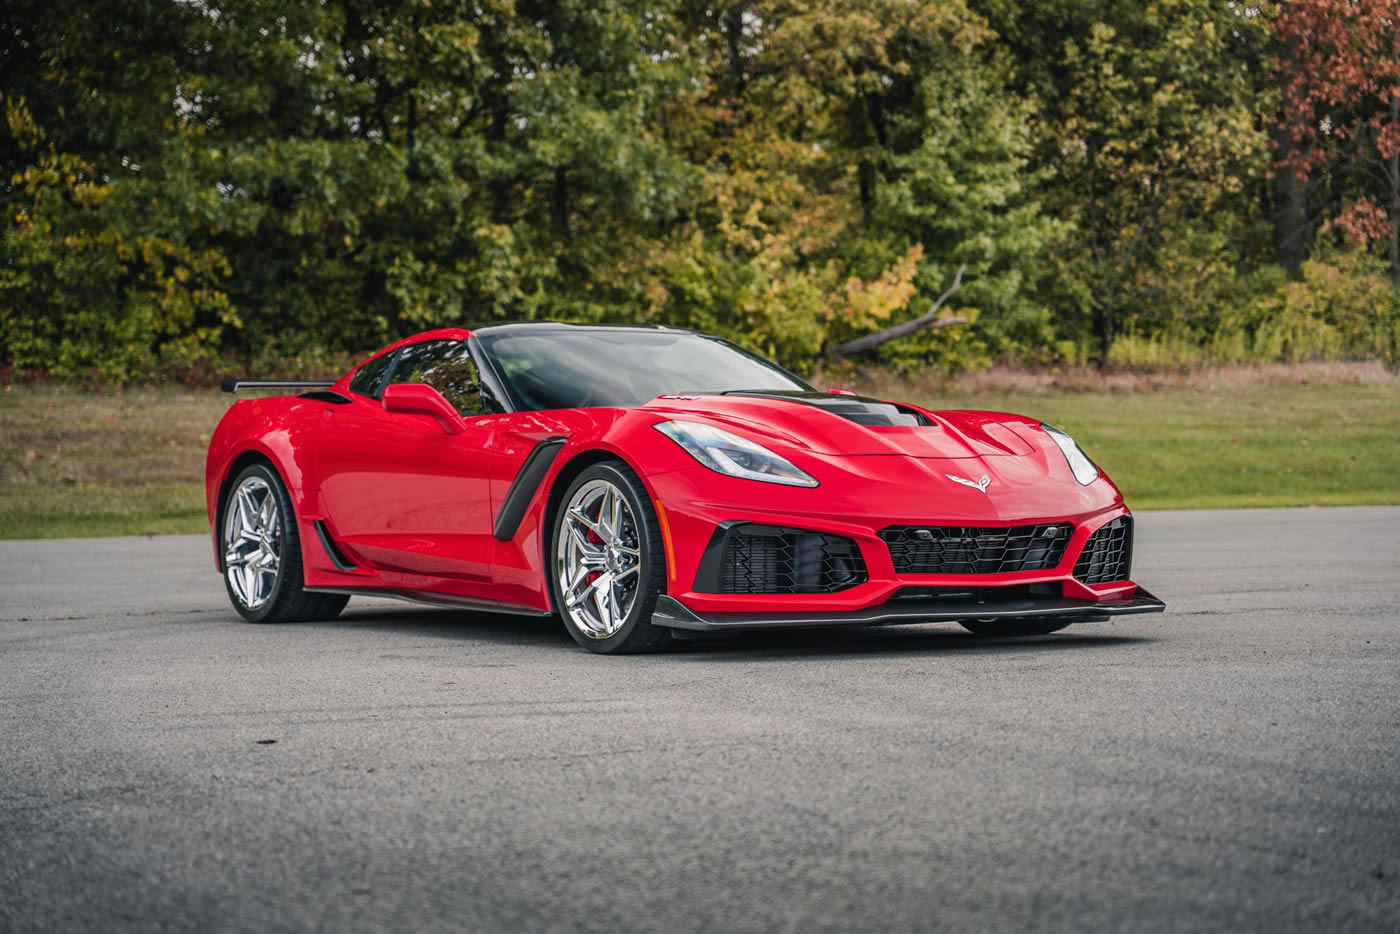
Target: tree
{"x":1145,"y":121}
{"x":1340,"y":63}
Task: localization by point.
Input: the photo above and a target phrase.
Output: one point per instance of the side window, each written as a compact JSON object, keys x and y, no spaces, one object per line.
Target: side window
{"x":368,"y":377}
{"x":448,"y":367}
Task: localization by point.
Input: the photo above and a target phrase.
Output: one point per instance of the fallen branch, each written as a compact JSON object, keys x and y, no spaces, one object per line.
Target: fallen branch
{"x":925,"y":321}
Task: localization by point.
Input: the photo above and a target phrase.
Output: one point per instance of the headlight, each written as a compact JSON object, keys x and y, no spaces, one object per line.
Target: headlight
{"x":1084,"y":470}
{"x":730,"y":454}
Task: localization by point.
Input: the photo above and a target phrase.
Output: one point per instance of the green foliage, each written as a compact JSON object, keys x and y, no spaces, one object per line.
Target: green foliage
{"x":204,"y":186}
{"x":1343,"y":307}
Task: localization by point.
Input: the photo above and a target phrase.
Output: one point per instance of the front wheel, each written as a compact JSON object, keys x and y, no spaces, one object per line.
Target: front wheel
{"x":608,"y":563}
{"x":1003,"y":628}
{"x":262,"y":553}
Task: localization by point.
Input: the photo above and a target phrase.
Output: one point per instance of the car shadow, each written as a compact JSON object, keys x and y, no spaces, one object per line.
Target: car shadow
{"x":758,"y":645}
{"x":452,"y":624}
{"x":908,"y":639}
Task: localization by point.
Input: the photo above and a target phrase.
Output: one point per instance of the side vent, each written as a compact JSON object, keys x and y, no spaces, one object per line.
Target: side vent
{"x":337,"y":557}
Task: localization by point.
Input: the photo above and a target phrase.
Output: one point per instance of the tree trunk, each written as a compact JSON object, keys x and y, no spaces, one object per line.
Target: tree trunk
{"x":734,"y":39}
{"x":1290,"y":190}
{"x":866,"y":177}
{"x":928,"y":319}
{"x":1290,"y":205}
{"x":1394,"y":174}
{"x":561,"y":202}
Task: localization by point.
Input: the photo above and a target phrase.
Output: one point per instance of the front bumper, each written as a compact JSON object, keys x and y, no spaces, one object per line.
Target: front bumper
{"x":673,"y":614}
{"x":696,"y":504}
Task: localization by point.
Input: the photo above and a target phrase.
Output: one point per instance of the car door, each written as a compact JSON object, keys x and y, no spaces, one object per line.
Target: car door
{"x":399,"y":492}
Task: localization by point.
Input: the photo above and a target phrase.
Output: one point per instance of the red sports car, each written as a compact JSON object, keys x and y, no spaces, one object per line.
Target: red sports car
{"x":644,"y":481}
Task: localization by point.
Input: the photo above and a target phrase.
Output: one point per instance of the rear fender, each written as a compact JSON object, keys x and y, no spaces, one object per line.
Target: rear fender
{"x":273,"y":431}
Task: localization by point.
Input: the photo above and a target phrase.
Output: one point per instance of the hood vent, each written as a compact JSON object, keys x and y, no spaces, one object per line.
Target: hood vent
{"x":856,"y":409}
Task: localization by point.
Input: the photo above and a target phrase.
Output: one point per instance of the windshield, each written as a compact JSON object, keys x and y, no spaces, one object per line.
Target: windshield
{"x":567,"y":368}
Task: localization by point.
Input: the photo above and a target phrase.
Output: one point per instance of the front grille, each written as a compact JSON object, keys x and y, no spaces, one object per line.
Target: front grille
{"x":769,"y":559}
{"x":1107,"y":555}
{"x":968,"y":550}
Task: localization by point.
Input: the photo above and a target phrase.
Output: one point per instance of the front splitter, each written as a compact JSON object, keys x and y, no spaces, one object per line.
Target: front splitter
{"x":673,"y":614}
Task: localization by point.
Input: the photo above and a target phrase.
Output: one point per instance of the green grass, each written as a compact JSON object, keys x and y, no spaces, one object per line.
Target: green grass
{"x":1251,"y":445}
{"x":87,"y":509}
{"x":75,"y":463}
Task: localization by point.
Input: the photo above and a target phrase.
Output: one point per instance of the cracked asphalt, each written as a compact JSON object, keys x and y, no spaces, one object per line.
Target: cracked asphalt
{"x":1232,"y":764}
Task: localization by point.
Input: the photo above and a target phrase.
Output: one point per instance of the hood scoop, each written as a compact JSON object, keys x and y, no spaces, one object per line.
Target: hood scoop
{"x":849,"y":426}
{"x":858,"y":409}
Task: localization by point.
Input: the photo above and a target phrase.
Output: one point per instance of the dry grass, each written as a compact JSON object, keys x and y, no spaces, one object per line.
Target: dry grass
{"x":1084,"y":379}
{"x":103,"y":463}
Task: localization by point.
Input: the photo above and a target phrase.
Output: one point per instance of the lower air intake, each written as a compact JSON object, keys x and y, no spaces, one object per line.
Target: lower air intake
{"x":1107,"y":555}
{"x":759,"y":559}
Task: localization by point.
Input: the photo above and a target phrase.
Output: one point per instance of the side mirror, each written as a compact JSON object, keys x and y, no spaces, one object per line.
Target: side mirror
{"x":841,"y":392}
{"x":420,"y":399}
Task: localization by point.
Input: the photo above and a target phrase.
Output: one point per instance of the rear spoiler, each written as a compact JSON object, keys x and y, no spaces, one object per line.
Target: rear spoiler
{"x":233,"y":385}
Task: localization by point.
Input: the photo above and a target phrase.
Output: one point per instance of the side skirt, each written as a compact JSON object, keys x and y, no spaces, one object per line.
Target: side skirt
{"x":427,"y":598}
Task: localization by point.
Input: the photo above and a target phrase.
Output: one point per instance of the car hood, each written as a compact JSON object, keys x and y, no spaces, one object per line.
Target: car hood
{"x":846,"y":425}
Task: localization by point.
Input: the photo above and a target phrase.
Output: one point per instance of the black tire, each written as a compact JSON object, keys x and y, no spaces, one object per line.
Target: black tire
{"x":637,"y":634}
{"x":1006,"y":628}
{"x":288,"y":601}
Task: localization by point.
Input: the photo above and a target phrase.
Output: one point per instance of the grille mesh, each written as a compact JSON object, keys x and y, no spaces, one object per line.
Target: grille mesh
{"x":769,"y":559}
{"x":972,"y":550}
{"x":1107,"y":555}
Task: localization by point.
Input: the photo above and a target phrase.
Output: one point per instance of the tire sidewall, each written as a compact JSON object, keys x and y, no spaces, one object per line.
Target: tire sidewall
{"x":284,"y":515}
{"x":652,"y":557}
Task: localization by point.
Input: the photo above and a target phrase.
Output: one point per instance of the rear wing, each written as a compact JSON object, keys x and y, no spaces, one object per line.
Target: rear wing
{"x":233,"y":385}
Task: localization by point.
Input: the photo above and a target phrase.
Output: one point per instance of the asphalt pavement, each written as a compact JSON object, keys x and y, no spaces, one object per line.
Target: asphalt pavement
{"x":1231,"y":764}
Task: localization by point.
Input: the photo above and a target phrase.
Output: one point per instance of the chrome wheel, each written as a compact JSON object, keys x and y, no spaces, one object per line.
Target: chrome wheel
{"x":252,"y":542}
{"x":598,"y":559}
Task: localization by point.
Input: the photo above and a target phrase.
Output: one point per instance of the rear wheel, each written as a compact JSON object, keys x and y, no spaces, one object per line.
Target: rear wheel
{"x":1002,"y":628}
{"x":608,"y":563}
{"x":262,"y":553}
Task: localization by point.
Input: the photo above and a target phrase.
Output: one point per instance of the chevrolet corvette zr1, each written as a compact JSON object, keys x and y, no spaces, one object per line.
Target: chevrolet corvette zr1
{"x":643,"y":481}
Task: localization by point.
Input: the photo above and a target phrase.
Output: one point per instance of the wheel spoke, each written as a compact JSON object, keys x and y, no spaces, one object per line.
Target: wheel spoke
{"x":613,"y":504}
{"x":629,"y":551}
{"x":626,"y":573}
{"x":247,"y":513}
{"x":250,"y":584}
{"x":573,"y":596}
{"x":576,"y":514}
{"x":234,"y":558}
{"x":602,"y":599}
{"x":267,"y":512}
{"x":587,"y":551}
{"x":613,"y":601}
